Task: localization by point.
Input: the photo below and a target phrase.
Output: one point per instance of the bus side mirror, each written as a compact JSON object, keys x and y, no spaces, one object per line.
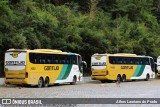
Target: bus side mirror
{"x":84,"y":64}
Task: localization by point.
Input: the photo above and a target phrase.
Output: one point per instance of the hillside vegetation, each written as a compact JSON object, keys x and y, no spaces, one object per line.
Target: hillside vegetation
{"x":81,"y":26}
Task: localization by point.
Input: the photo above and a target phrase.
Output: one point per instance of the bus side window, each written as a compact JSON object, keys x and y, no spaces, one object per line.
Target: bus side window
{"x":120,"y":60}
{"x":31,"y":58}
{"x":141,"y":61}
{"x":62,"y":60}
{"x":128,"y":60}
{"x":42,"y":59}
{"x":117,"y":60}
{"x":74,"y":61}
{"x":112,"y":60}
{"x":55,"y":59}
{"x":67,"y":59}
{"x":136,"y":61}
{"x":124,"y":60}
{"x":48,"y":59}
{"x":147,"y":61}
{"x":131,"y":62}
{"x":37,"y":58}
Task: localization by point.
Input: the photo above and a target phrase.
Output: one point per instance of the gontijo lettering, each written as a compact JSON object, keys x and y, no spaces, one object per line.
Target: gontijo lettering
{"x":99,"y":63}
{"x":15,"y":62}
{"x":126,"y":67}
{"x":51,"y":67}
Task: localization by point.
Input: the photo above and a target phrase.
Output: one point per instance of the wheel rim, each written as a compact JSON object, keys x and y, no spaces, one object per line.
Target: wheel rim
{"x":46,"y":82}
{"x":40,"y":83}
{"x":124,"y":78}
{"x":147,"y":78}
{"x":74,"y":80}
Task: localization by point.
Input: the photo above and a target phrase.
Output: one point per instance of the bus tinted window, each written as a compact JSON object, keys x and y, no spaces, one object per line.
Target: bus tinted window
{"x":129,"y":60}
{"x":74,"y":60}
{"x":55,"y":59}
{"x":39,"y":58}
{"x":49,"y":59}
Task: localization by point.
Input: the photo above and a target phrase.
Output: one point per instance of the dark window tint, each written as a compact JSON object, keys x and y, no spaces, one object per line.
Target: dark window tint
{"x":129,"y":60}
{"x":39,"y":58}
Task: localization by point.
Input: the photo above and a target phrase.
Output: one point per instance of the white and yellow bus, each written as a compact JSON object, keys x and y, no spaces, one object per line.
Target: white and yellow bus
{"x":42,"y":67}
{"x":121,"y":67}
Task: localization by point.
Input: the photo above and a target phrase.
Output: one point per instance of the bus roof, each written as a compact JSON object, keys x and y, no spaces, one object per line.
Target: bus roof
{"x":117,"y":54}
{"x":48,"y":50}
{"x":43,"y":51}
{"x":122,"y":54}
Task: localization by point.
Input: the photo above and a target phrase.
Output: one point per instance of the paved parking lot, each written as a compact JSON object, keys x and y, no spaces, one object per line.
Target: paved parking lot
{"x":88,"y":89}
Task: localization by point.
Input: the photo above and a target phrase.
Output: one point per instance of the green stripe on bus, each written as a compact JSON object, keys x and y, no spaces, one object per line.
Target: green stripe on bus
{"x":137,"y":71}
{"x":63,"y":71}
{"x":68,"y":71}
{"x":141,"y":70}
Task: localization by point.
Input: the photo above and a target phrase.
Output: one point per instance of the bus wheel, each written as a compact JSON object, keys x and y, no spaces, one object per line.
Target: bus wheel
{"x":46,"y":83}
{"x":147,"y":77}
{"x":118,"y":78}
{"x":74,"y":80}
{"x":40,"y":82}
{"x":123,"y":78}
{"x":134,"y":80}
{"x":103,"y":81}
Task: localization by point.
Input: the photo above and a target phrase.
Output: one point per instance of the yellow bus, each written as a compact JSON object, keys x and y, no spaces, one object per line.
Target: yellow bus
{"x":121,"y":67}
{"x":42,"y":67}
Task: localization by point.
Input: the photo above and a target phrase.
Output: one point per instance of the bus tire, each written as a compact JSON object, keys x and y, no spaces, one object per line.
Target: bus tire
{"x":147,"y":77}
{"x":46,"y":82}
{"x":109,"y":81}
{"x":134,"y":80}
{"x":40,"y":82}
{"x":74,"y":80}
{"x":103,"y":81}
{"x":119,"y":78}
{"x":123,"y":78}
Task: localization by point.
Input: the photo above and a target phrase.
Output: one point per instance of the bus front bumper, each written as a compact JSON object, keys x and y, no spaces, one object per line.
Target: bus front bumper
{"x":15,"y":81}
